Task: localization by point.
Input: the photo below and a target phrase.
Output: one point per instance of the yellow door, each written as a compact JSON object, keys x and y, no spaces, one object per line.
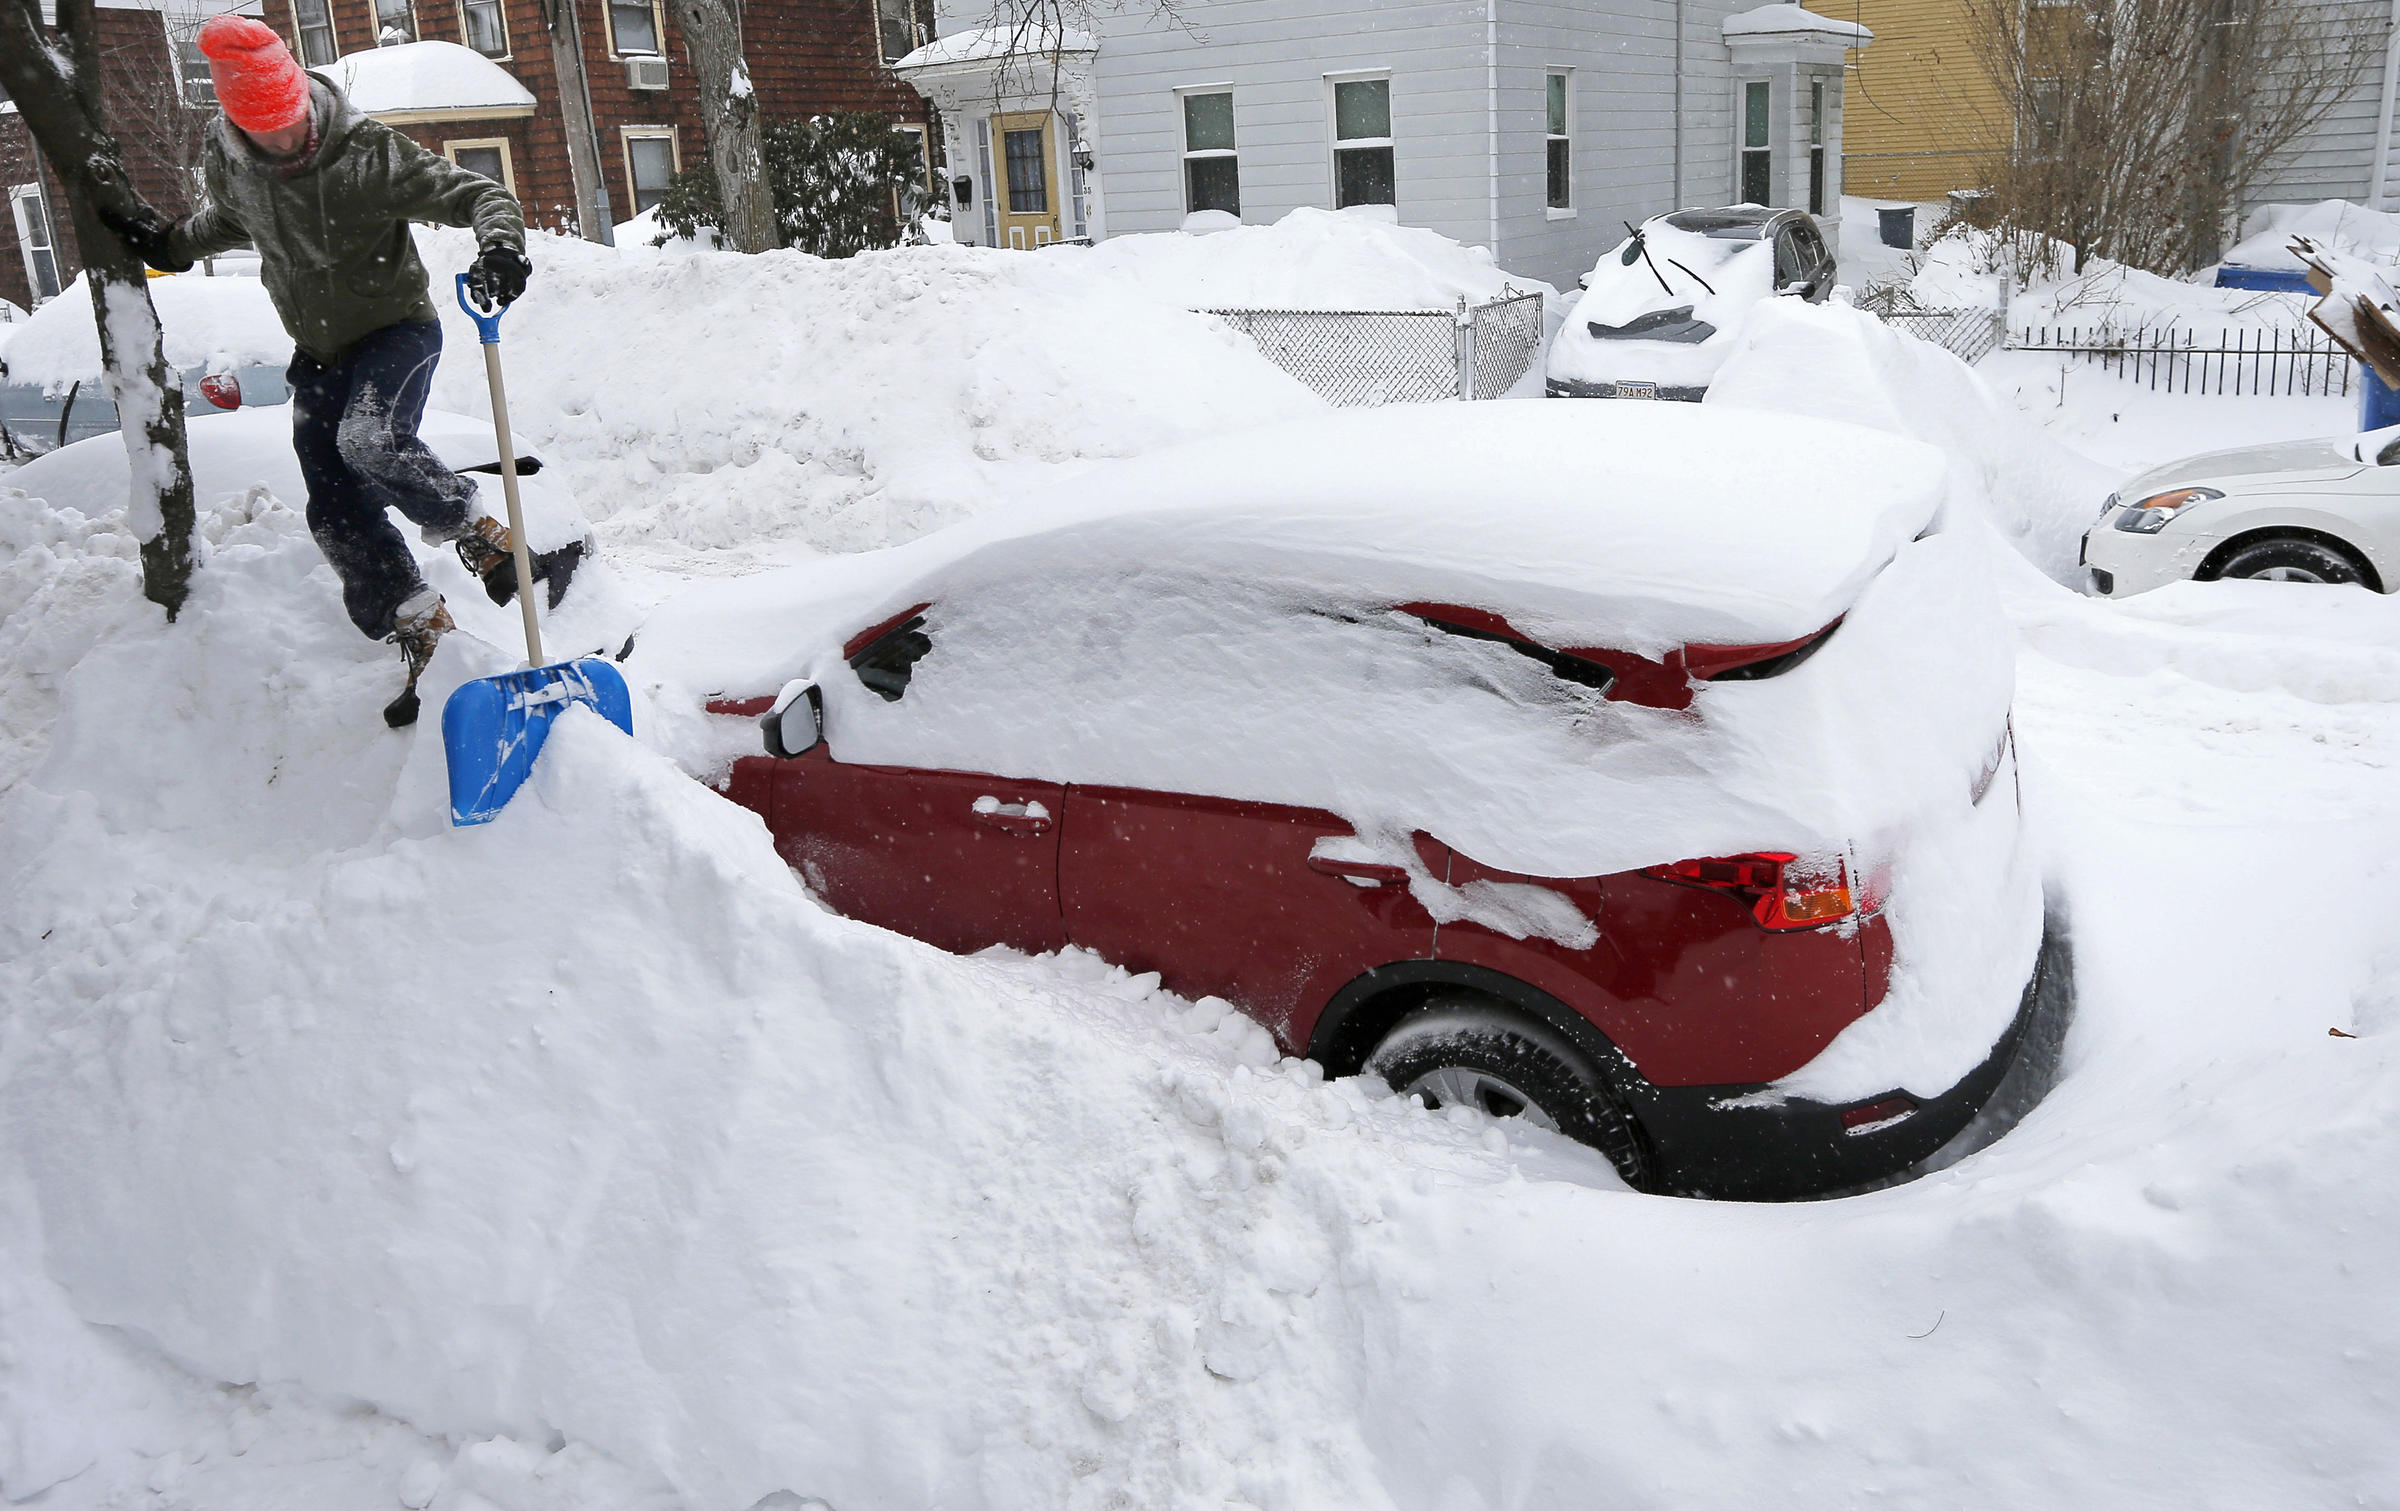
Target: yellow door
{"x":1028,"y":180}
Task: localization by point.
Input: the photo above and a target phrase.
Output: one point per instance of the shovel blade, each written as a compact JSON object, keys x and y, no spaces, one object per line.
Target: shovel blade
{"x":493,"y":728}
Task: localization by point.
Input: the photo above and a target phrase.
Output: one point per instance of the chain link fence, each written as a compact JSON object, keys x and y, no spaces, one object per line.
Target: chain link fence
{"x":1367,"y":357}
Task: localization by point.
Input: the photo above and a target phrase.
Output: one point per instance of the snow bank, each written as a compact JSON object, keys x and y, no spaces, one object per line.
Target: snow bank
{"x":1310,"y":259}
{"x":711,"y":402}
{"x":214,"y":323}
{"x":1960,"y":271}
{"x":2335,"y":224}
{"x":1836,"y":363}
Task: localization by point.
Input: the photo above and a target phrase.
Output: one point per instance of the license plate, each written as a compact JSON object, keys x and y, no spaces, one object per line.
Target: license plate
{"x":1637,"y":390}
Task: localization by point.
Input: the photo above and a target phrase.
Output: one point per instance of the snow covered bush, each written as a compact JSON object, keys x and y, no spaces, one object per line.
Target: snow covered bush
{"x":838,"y":181}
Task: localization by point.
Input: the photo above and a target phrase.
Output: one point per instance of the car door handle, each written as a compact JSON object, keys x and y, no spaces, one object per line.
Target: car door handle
{"x":1366,"y":873}
{"x":1026,"y":820}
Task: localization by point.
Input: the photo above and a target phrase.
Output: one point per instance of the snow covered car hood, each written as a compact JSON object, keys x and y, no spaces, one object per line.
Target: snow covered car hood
{"x":2327,"y":458}
{"x":1740,"y":273}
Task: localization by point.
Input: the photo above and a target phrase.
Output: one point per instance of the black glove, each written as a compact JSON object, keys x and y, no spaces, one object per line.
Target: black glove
{"x":146,"y":232}
{"x":498,"y":275}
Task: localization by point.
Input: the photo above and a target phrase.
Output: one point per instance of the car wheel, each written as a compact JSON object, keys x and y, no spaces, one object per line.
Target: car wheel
{"x":1467,"y":1052}
{"x":2290,"y":558}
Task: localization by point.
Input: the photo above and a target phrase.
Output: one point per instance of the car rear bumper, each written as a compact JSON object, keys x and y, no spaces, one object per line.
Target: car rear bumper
{"x":1573,"y":388}
{"x":1746,"y":1143}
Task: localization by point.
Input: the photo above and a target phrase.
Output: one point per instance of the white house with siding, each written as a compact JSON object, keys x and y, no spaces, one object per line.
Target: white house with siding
{"x":1533,"y":127}
{"x":2350,"y":153}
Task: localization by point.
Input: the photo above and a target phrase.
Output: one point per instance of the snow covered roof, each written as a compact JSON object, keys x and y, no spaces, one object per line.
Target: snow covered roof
{"x":992,"y":44}
{"x":1787,"y":20}
{"x":429,"y":81}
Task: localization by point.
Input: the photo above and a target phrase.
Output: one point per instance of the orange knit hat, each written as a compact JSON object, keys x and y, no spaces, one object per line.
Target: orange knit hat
{"x":259,"y":85}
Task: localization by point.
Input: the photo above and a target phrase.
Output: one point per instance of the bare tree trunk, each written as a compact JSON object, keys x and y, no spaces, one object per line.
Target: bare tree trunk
{"x":56,"y":85}
{"x":575,"y":106}
{"x":712,"y":30}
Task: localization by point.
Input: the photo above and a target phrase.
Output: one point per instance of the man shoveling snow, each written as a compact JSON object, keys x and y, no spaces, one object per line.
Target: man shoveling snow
{"x":326,"y":195}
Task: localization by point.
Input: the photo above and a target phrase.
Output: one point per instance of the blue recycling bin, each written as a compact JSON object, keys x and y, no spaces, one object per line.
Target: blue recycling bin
{"x":2378,"y":401}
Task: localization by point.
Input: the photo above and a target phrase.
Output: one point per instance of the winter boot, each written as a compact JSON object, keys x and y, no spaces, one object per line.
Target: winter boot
{"x":417,"y":627}
{"x":488,"y":551}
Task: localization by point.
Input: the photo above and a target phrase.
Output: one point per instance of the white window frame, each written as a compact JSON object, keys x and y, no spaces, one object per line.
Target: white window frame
{"x":1741,"y":137}
{"x":1183,"y":134}
{"x":19,"y":195}
{"x":1567,"y":210}
{"x":300,"y":30}
{"x":1336,"y":144}
{"x":199,"y":93}
{"x":627,"y":136}
{"x":508,"y":41}
{"x":416,"y":23}
{"x":658,"y":29}
{"x":875,"y":27}
{"x":508,"y":166}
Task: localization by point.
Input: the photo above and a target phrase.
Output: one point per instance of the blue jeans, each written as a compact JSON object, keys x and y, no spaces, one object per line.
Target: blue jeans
{"x":354,"y":429}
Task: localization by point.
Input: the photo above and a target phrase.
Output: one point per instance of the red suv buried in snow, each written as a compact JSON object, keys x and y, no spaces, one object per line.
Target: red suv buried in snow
{"x":1644,"y":775}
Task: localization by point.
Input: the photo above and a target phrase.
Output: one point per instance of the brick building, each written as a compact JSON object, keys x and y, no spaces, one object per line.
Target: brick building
{"x":159,"y":102}
{"x":488,"y":98}
{"x":805,"y":56}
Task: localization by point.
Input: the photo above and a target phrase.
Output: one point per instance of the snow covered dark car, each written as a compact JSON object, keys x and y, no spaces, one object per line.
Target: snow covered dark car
{"x":1645,"y":775}
{"x":1662,"y":310}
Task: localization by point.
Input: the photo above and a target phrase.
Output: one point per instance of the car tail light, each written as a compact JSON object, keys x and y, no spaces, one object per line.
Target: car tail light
{"x":222,"y":389}
{"x":1783,"y":891}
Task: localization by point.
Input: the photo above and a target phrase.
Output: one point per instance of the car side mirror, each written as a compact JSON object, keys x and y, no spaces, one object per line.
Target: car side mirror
{"x":796,"y":724}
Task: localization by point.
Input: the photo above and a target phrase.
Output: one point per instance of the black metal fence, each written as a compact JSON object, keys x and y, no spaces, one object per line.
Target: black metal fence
{"x":1366,"y":357}
{"x":2262,"y":360}
{"x":2273,"y":360}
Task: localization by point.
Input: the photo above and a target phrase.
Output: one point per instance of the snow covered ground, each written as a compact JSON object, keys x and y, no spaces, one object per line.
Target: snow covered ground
{"x":580,"y":1161}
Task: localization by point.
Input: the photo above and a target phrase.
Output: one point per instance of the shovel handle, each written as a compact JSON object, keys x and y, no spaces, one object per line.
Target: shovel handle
{"x":488,"y":326}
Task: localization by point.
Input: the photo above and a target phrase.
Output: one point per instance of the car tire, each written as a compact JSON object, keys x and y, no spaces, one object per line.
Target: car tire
{"x":1508,"y":1064}
{"x":2292,"y":558}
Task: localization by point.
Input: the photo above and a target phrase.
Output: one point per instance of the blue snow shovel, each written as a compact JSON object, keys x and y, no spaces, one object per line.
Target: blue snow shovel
{"x":493,"y":727}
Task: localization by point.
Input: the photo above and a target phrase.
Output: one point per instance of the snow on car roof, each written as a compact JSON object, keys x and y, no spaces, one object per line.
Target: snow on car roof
{"x":223,"y":322}
{"x":1637,"y":527}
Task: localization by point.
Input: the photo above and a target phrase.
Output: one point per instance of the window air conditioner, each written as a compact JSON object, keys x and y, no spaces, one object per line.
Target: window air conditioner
{"x":645,"y":73}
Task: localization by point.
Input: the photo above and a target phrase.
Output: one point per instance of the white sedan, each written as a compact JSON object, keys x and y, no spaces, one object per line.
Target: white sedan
{"x":2325,"y":511}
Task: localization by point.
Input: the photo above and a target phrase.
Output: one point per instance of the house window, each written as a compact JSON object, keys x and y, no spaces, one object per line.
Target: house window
{"x":1028,"y":179}
{"x":1816,"y":146}
{"x":1560,"y":103}
{"x":633,"y":28}
{"x":650,"y":162}
{"x":896,"y":25}
{"x":1757,"y":187}
{"x":33,"y":240}
{"x":2043,"y":109}
{"x":191,"y":65}
{"x":488,"y":156}
{"x":485,"y":25}
{"x":315,"y":19}
{"x":1362,"y":142}
{"x":1212,"y":174}
{"x":395,"y":22}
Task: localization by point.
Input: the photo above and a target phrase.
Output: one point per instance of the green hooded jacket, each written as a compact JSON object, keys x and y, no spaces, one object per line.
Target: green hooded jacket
{"x":333,"y":243}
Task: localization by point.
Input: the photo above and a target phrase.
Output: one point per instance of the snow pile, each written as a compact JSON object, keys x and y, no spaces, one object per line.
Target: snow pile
{"x":2336,"y":224}
{"x":214,"y":323}
{"x":1310,"y":259}
{"x":1835,"y":363}
{"x":1961,"y":271}
{"x":709,"y":402}
{"x":428,"y":76}
{"x":587,"y":1145}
